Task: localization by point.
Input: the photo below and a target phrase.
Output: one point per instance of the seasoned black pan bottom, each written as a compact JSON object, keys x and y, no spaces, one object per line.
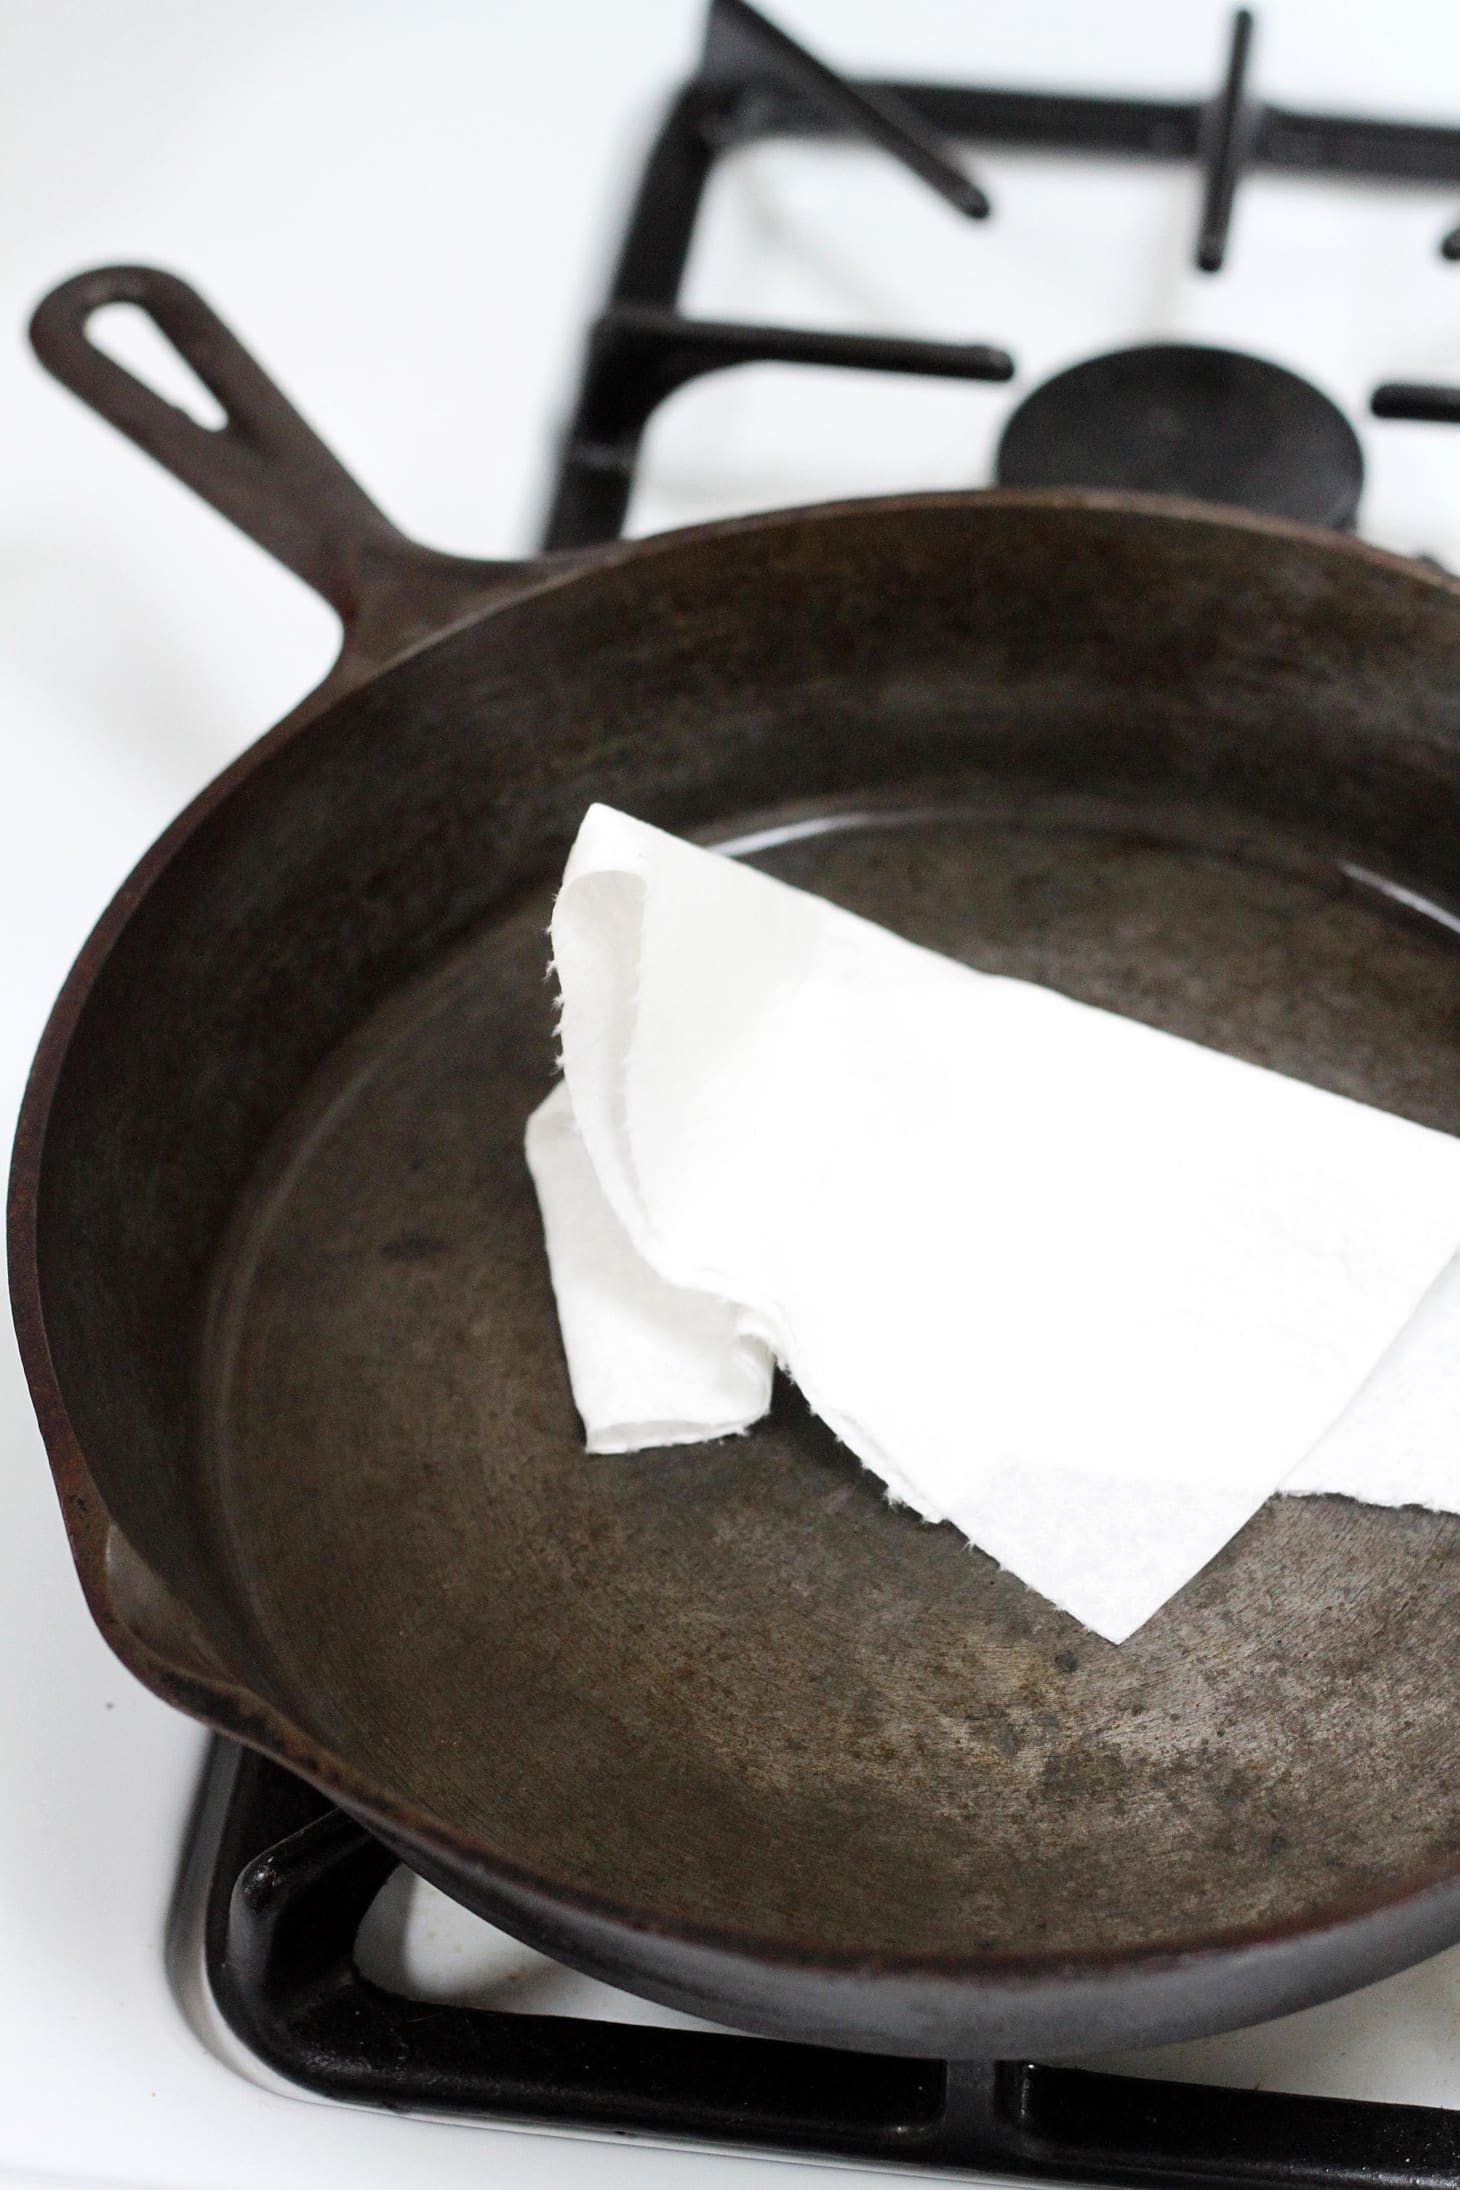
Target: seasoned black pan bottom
{"x":729,"y":1684}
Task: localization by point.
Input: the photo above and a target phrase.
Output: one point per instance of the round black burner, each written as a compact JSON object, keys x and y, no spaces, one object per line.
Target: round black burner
{"x":1174,"y":418}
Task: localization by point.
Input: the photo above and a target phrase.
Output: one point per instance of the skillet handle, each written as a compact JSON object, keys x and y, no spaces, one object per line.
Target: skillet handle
{"x":265,"y":469}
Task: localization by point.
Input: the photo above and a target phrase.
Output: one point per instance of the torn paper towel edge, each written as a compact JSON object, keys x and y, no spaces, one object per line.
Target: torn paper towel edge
{"x":701,"y":1374}
{"x":705,"y":1364}
{"x":1408,"y":1408}
{"x":708,"y":1375}
{"x":593,"y":951}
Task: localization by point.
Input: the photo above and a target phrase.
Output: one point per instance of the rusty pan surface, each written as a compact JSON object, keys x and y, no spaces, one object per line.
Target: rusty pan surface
{"x":718,"y":1723}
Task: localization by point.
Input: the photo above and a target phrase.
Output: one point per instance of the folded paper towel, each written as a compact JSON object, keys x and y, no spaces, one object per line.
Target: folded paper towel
{"x":1089,"y":1291}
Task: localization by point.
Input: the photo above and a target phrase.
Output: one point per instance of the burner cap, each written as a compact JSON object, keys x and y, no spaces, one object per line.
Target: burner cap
{"x":1175,"y":418}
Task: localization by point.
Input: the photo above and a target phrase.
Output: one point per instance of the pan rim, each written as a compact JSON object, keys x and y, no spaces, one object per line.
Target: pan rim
{"x":224,"y":1703}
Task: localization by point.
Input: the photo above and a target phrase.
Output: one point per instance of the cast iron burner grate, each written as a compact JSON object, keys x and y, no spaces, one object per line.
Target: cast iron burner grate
{"x":290,"y":1877}
{"x":291,"y":1880}
{"x":753,"y":82}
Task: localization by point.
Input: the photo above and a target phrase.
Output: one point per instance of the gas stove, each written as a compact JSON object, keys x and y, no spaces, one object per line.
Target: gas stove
{"x":1159,"y":260}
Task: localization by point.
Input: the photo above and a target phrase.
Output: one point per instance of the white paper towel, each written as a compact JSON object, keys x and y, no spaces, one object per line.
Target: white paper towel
{"x":1087,"y":1290}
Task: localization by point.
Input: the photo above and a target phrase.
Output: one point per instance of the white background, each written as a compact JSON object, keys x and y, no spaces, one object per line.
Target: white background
{"x":408,"y":211}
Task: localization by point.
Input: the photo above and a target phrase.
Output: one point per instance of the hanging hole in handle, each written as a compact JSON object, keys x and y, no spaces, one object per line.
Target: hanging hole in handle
{"x":131,"y":338}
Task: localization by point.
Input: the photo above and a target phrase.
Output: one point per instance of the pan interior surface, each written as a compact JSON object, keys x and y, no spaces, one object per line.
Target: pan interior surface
{"x":729,"y":1684}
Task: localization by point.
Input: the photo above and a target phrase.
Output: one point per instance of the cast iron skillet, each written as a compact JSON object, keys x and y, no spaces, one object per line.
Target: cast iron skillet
{"x":719,"y":1724}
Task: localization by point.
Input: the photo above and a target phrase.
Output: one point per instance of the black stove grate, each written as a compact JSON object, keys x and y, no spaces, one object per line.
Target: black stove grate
{"x":290,"y":1877}
{"x":753,"y":82}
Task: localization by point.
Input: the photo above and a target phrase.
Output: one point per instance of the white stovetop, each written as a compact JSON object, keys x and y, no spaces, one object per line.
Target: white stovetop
{"x":408,"y":212}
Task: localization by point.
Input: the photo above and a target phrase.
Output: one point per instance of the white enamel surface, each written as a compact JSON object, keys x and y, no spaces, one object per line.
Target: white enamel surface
{"x":407,"y":212}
